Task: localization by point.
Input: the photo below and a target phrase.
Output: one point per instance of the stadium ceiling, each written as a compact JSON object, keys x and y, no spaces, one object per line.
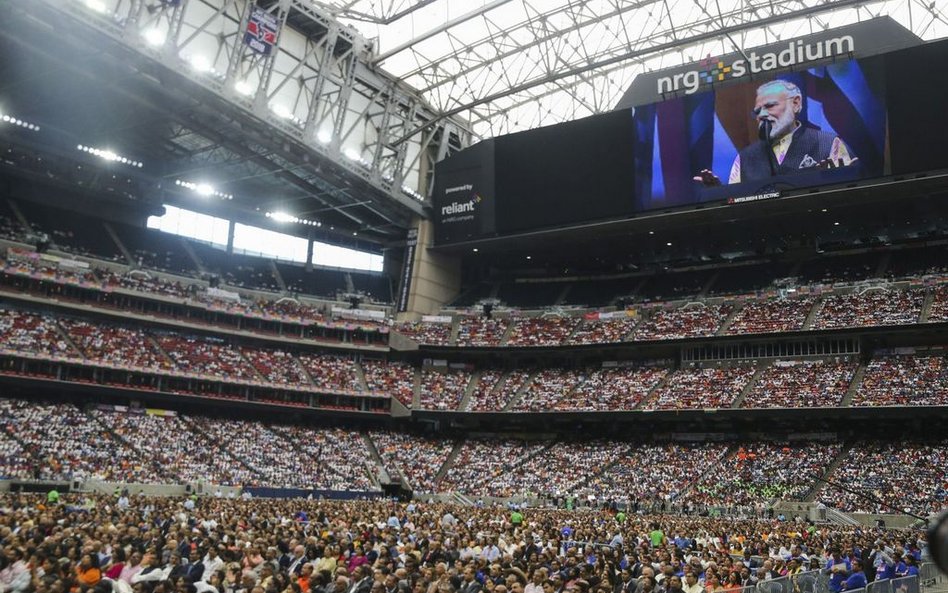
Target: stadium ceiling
{"x":510,"y":65}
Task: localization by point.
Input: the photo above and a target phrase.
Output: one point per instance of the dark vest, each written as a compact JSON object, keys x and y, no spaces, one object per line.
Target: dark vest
{"x":808,"y":141}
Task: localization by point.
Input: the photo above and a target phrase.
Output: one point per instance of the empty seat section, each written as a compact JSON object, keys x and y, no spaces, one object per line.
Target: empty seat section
{"x":674,"y":285}
{"x":156,"y":250}
{"x":598,"y":293}
{"x":839,"y":268}
{"x":72,"y":231}
{"x":748,"y":278}
{"x":530,"y":294}
{"x":377,"y":286}
{"x":236,"y":269}
{"x":470,"y":296}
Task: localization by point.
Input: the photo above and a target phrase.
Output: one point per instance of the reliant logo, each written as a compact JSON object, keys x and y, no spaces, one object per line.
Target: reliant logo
{"x":460,"y":207}
{"x":716,"y":71}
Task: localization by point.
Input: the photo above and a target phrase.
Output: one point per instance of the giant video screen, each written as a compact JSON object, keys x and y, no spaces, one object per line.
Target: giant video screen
{"x":820,"y":126}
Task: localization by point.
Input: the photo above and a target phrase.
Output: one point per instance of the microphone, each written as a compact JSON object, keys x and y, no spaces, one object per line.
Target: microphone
{"x":764,"y":129}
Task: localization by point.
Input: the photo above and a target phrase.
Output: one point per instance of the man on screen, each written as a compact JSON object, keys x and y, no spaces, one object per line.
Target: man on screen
{"x":786,"y":144}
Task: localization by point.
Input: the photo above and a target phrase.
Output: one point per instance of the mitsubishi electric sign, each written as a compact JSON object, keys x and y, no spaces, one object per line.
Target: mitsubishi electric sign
{"x":868,"y":38}
{"x":713,"y":70}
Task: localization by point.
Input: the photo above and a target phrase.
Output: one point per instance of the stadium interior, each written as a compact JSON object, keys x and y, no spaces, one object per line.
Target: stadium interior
{"x":468,"y":255}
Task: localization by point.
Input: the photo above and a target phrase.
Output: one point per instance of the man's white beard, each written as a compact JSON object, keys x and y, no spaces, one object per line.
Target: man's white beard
{"x":784,"y":125}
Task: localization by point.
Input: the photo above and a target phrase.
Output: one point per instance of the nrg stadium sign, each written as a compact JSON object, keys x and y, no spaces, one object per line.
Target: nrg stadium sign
{"x":868,"y":38}
{"x":715,"y":70}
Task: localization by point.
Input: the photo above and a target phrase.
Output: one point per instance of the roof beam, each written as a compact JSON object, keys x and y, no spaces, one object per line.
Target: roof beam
{"x":440,"y":29}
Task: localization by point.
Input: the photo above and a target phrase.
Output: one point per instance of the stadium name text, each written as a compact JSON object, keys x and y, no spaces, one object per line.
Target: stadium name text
{"x":753,"y":63}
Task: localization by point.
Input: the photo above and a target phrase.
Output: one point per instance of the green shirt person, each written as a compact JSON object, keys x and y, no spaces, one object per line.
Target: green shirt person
{"x":656,"y":536}
{"x":620,"y":517}
{"x":516,"y":518}
{"x":52,"y":497}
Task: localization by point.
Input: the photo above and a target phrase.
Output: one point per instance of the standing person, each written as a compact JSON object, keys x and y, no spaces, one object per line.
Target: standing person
{"x":656,"y":536}
{"x":839,"y":568}
{"x":856,"y":580}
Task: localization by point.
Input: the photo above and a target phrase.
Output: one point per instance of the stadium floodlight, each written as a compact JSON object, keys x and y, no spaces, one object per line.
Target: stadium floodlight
{"x":154,"y":36}
{"x":9,"y":119}
{"x":200,"y":63}
{"x":281,"y":111}
{"x":351,"y":154}
{"x":413,"y":193}
{"x":203,"y":189}
{"x":97,"y":5}
{"x":281,"y":217}
{"x":109,"y":155}
{"x":243,"y":87}
{"x":324,"y":137}
{"x":289,"y":218}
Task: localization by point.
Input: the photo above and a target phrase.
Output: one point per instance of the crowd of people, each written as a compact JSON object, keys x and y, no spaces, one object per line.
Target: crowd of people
{"x":890,"y":478}
{"x":701,"y":388}
{"x":414,"y":458}
{"x":434,"y":334}
{"x":766,"y":471}
{"x":481,"y":331}
{"x":603,"y":331}
{"x":546,"y":389}
{"x":207,"y":356}
{"x":32,"y":334}
{"x":802,"y":384}
{"x":672,"y":470}
{"x":495,"y":396}
{"x":177,"y":452}
{"x":396,"y":379}
{"x":771,"y":316}
{"x":116,"y":345}
{"x":59,"y":441}
{"x":938,"y":313}
{"x":904,"y":380}
{"x":494,"y":467}
{"x":542,"y":331}
{"x":868,"y":308}
{"x":277,"y":367}
{"x":691,"y":321}
{"x":333,"y":372}
{"x":99,"y":543}
{"x":193,"y":293}
{"x":611,"y":389}
{"x":485,"y":394}
{"x":442,"y":389}
{"x":768,"y":315}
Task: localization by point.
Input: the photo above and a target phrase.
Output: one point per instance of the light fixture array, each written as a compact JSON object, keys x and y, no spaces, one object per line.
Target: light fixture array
{"x":284,"y":217}
{"x":109,"y":155}
{"x":203,"y":189}
{"x":9,"y":119}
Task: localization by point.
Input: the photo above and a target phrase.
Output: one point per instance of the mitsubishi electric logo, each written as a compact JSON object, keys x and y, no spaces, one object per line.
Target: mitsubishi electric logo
{"x":753,"y":63}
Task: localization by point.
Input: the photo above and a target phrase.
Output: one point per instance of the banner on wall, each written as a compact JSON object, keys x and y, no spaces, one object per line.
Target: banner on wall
{"x":408,"y":270}
{"x":262,"y":29}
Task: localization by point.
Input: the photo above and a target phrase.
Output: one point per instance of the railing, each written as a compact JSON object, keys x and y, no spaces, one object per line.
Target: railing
{"x":910,"y":584}
{"x":817,"y":581}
